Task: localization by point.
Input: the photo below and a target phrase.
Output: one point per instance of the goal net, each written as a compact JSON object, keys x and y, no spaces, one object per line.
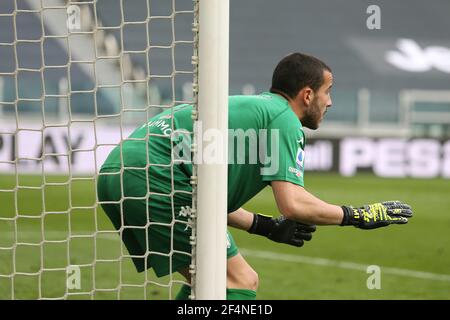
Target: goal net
{"x":76,"y":78}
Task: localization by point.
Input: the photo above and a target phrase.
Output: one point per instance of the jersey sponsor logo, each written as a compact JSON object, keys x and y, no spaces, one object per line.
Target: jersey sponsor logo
{"x":296,"y":171}
{"x":161,"y":124}
{"x":300,"y":158}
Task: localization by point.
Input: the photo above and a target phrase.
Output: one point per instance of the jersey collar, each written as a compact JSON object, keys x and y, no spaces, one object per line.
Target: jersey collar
{"x":276,"y":97}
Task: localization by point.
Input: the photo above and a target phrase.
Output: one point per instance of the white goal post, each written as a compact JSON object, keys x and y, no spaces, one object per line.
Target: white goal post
{"x":210,"y":277}
{"x":76,"y":78}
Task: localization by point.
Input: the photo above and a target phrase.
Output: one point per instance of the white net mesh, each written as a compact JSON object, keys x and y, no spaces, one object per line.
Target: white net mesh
{"x":76,"y":77}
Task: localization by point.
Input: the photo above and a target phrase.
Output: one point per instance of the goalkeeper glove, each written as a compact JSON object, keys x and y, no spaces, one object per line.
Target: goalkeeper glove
{"x":282,"y":230}
{"x":377,"y":215}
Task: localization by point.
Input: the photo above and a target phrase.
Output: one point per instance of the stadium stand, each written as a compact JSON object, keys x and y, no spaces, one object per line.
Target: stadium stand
{"x":374,"y":88}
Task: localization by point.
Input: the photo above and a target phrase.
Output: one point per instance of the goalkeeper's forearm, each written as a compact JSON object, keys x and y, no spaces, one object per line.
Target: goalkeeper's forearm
{"x":295,"y":203}
{"x":310,"y":210}
{"x":278,"y":229}
{"x":240,"y":219}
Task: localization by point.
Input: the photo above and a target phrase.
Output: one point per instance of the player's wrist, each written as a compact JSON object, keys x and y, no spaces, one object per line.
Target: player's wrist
{"x":261,"y":225}
{"x":348,"y":218}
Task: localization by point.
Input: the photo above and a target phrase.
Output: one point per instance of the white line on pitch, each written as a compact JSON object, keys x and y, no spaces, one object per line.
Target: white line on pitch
{"x":341,"y":264}
{"x":112,"y":235}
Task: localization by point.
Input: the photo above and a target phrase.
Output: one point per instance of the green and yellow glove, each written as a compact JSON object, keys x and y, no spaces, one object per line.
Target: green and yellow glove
{"x":377,"y":215}
{"x":282,"y":230}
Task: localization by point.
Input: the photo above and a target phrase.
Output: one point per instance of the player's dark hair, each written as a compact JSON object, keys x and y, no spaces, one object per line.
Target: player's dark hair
{"x":296,"y":71}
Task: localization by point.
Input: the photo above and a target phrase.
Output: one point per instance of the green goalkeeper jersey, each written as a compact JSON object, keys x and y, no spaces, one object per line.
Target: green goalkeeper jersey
{"x":266,"y":143}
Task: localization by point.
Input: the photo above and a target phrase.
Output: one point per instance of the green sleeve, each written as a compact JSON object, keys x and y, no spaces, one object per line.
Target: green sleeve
{"x":285,"y":147}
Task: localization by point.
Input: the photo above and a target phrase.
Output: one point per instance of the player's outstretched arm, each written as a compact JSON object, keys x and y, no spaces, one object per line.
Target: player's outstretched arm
{"x":298,"y":204}
{"x":278,"y":229}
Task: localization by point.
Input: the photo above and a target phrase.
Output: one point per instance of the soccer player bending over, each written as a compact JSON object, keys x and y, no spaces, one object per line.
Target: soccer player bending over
{"x":149,"y":198}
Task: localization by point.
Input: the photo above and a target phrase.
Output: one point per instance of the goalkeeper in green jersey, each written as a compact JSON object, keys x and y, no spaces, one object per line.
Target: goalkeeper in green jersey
{"x":148,"y":197}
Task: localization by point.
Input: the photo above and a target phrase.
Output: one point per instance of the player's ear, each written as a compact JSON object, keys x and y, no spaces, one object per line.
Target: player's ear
{"x":305,"y":96}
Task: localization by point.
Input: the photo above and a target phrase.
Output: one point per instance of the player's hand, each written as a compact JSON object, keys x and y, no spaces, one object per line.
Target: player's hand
{"x":377,"y":215}
{"x":282,"y":230}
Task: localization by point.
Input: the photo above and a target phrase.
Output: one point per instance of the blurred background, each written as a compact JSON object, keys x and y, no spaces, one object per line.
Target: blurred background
{"x":391,"y":65}
{"x":73,"y":82}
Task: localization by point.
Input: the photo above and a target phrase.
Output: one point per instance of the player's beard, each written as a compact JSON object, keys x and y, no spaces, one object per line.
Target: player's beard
{"x":312,"y":117}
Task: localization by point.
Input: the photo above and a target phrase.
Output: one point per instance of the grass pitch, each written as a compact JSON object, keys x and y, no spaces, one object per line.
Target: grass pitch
{"x":414,"y":259}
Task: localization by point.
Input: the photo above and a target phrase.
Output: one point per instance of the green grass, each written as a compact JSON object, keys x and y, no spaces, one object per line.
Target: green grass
{"x":41,"y":250}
